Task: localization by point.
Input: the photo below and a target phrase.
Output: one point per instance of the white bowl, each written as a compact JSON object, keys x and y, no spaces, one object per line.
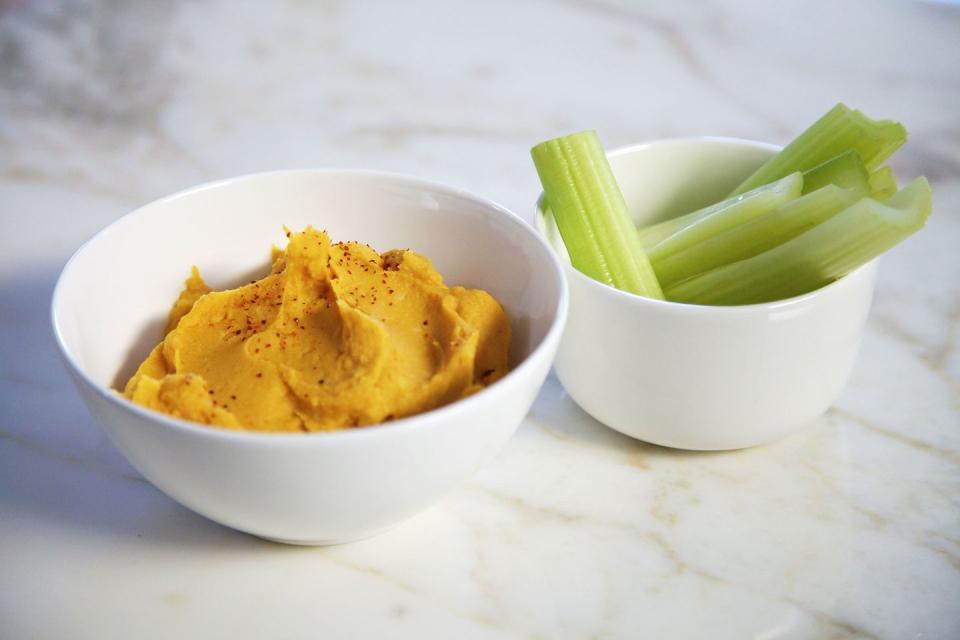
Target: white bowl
{"x":703,"y":377}
{"x":112,"y":298}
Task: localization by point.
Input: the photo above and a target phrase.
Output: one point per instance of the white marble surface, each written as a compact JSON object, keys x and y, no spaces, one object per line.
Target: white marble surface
{"x":850,"y":528}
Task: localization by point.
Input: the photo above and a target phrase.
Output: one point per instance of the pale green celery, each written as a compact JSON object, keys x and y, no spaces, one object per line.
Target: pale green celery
{"x":840,"y":129}
{"x":883,"y":183}
{"x":725,"y":215}
{"x":755,"y":236}
{"x":654,"y":233}
{"x":813,"y":259}
{"x":845,"y":170}
{"x":591,"y":214}
{"x":771,"y":195}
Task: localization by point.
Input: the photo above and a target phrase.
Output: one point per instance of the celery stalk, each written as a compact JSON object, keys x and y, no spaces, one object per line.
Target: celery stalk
{"x":829,"y":251}
{"x":591,"y":213}
{"x":839,"y":130}
{"x":755,"y":236}
{"x":771,"y":196}
{"x":654,"y":233}
{"x":883,"y":183}
{"x":726,"y":215}
{"x":845,"y":170}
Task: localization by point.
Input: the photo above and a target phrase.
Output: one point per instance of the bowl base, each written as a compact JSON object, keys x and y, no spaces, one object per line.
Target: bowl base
{"x":326,"y":542}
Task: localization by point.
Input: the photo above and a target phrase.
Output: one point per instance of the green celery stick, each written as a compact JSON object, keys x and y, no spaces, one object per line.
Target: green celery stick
{"x":839,"y":130}
{"x":883,"y":183}
{"x":726,"y":215}
{"x":823,"y":254}
{"x":660,"y":231}
{"x":845,"y":170}
{"x":771,"y":196}
{"x":755,"y":236}
{"x":591,"y":213}
{"x":654,"y":233}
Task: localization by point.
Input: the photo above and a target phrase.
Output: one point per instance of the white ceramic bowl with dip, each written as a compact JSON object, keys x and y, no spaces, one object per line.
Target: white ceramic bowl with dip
{"x":112,"y":299}
{"x":703,"y":377}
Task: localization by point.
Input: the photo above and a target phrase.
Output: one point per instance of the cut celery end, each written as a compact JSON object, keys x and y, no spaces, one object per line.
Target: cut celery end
{"x":840,"y":129}
{"x":845,"y":170}
{"x":813,"y":259}
{"x":755,"y":236}
{"x":591,"y":214}
{"x":725,"y":215}
{"x":883,"y":183}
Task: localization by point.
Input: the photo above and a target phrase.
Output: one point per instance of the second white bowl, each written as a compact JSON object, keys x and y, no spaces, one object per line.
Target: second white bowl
{"x":703,"y":377}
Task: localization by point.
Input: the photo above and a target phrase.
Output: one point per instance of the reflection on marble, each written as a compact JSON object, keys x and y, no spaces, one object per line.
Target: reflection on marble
{"x":850,"y":528}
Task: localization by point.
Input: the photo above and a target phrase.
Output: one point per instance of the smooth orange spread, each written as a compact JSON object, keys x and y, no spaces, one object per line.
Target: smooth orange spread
{"x":336,"y":336}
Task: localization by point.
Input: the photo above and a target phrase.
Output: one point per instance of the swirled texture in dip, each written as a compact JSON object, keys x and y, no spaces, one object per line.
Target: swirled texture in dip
{"x":335,"y":336}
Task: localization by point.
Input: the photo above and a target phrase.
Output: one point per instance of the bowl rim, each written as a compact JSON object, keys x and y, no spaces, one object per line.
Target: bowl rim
{"x":686,"y":307}
{"x":434,"y":417}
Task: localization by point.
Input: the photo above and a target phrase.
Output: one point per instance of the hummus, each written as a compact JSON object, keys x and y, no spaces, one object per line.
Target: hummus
{"x":335,"y":336}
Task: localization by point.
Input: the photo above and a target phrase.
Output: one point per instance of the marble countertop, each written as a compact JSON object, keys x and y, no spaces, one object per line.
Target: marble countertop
{"x":848,"y":529}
